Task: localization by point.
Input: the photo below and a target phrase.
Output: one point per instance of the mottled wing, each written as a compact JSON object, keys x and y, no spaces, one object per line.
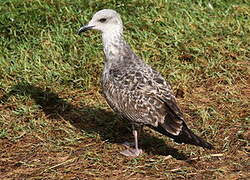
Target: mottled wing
{"x":141,"y":95}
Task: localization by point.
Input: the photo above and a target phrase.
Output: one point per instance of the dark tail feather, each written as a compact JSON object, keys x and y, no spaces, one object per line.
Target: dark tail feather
{"x":186,"y":136}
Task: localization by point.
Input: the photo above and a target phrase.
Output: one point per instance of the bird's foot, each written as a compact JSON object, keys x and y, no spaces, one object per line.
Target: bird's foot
{"x":132,"y":152}
{"x":128,"y":144}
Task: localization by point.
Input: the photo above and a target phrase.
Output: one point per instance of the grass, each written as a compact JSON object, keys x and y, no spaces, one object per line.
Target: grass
{"x":54,"y":122}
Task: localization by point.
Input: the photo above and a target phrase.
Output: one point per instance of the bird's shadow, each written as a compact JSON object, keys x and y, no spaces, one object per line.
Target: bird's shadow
{"x":89,"y":119}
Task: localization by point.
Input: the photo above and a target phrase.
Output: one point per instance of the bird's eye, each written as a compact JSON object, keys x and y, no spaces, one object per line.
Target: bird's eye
{"x":102,"y":20}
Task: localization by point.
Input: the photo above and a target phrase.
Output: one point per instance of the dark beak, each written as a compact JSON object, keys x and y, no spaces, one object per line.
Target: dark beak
{"x":84,"y":28}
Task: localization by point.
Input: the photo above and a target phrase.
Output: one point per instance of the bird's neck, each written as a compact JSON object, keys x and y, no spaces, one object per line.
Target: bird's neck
{"x":113,"y":45}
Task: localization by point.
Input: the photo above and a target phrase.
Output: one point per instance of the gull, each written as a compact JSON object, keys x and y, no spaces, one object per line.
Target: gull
{"x":136,"y":91}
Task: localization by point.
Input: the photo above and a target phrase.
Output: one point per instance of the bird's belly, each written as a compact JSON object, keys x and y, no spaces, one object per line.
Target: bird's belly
{"x":110,"y":94}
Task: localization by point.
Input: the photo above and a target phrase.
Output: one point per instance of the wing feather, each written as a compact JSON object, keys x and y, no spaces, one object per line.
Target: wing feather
{"x":143,"y":98}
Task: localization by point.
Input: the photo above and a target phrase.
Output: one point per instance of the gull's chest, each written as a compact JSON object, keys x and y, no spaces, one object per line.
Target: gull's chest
{"x":128,"y":78}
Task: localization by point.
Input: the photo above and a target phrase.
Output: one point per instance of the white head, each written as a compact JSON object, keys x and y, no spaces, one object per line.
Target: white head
{"x":106,"y":21}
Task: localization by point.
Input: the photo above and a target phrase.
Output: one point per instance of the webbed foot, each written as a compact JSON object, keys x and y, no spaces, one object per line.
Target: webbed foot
{"x":128,"y":144}
{"x":132,"y":152}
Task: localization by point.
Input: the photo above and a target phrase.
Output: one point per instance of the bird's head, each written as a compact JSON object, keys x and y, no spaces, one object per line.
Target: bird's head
{"x":106,"y":21}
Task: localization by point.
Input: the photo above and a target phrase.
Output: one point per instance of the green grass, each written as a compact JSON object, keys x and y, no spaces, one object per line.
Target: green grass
{"x":55,"y":123}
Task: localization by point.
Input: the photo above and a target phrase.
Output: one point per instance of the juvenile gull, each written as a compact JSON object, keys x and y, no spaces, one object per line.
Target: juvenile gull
{"x":134,"y":90}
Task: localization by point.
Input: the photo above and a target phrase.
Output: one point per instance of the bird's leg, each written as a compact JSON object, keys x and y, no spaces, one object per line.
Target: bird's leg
{"x":132,"y":144}
{"x":136,"y":140}
{"x":136,"y":151}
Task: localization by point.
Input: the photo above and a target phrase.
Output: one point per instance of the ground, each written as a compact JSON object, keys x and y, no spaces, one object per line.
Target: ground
{"x":55,"y":123}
